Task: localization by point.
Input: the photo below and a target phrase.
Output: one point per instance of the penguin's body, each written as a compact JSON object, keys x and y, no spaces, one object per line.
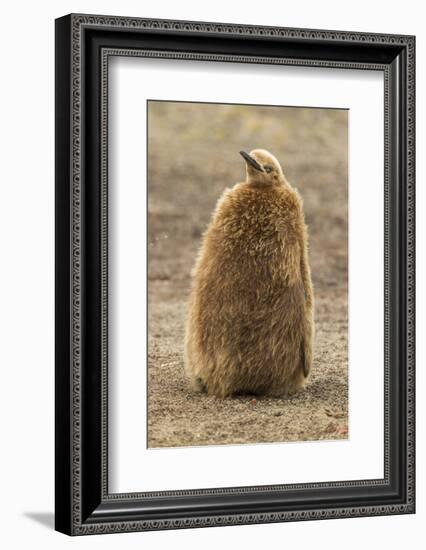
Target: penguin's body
{"x":250,"y":323}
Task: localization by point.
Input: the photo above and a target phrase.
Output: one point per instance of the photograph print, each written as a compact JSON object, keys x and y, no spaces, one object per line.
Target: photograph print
{"x":235,"y":274}
{"x":247,"y":274}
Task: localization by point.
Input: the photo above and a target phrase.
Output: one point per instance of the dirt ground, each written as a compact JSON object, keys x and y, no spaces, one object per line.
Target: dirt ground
{"x":193,"y":156}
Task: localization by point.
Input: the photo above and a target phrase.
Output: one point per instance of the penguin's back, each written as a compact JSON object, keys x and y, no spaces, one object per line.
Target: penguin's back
{"x":253,"y":235}
{"x":247,"y":279}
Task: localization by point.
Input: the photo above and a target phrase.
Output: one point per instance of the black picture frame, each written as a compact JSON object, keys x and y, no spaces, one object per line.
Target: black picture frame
{"x":83,"y":45}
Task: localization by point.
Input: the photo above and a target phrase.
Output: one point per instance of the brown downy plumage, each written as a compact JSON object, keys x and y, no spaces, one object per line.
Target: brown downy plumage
{"x":250,"y":322}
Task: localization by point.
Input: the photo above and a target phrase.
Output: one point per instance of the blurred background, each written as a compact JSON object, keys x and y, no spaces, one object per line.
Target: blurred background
{"x":193,"y":155}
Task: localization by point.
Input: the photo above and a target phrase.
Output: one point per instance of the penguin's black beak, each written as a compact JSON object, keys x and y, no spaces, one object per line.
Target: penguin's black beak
{"x":251,"y":161}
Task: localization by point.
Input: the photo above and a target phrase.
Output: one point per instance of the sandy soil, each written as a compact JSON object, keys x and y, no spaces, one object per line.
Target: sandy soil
{"x":193,"y":156}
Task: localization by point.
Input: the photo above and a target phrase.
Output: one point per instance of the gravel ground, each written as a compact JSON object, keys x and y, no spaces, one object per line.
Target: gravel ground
{"x":193,"y":156}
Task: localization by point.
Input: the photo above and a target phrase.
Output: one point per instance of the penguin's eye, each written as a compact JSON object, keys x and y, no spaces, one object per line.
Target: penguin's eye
{"x":268,"y":168}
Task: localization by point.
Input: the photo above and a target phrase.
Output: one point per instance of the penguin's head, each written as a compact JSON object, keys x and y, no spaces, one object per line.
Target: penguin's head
{"x":263,"y":168}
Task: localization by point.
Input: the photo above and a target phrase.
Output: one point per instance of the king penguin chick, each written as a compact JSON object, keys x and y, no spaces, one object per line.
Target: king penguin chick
{"x":250,"y":322}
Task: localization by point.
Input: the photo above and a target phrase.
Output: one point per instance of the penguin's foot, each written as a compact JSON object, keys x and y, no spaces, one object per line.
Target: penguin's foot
{"x":199,"y":385}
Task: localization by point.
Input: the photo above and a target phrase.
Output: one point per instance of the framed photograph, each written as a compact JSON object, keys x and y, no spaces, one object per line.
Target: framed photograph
{"x":234,"y":274}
